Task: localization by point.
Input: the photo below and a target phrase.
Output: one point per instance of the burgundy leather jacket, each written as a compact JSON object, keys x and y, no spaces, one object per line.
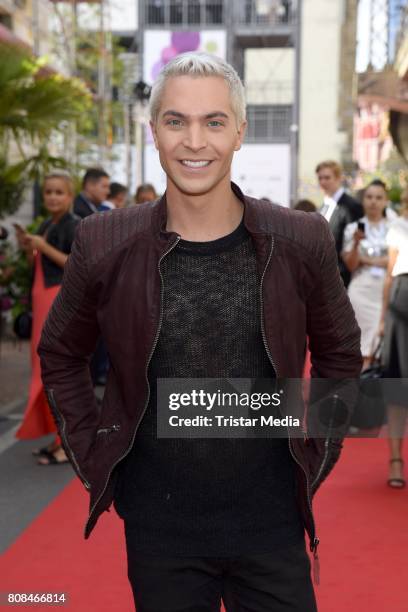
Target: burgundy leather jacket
{"x":113,"y":286}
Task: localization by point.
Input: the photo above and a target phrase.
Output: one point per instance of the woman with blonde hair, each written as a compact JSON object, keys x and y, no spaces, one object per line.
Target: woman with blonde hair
{"x":394,"y":326}
{"x":47,"y":251}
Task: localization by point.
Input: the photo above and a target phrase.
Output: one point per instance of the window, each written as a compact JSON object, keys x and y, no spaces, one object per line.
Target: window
{"x":155,"y":12}
{"x":6,"y":20}
{"x":214,"y":12}
{"x":267,"y":12}
{"x":268,"y":123}
{"x":184,"y":12}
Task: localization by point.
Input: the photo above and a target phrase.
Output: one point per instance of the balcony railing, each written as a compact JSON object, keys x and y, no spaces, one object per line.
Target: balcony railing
{"x":268,"y":123}
{"x":184,"y":12}
{"x":266,"y":13}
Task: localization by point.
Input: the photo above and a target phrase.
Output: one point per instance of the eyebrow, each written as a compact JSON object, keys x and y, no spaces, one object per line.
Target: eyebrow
{"x":208,"y":116}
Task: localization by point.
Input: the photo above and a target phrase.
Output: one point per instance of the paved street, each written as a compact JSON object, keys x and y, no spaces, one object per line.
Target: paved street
{"x":14,"y":373}
{"x":14,"y":383}
{"x":23,"y":484}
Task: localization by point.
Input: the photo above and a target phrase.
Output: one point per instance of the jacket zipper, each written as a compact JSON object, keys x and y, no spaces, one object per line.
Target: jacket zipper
{"x":172,"y":246}
{"x":50,"y":393}
{"x":326,"y":446}
{"x":108,"y":429}
{"x":326,"y":454}
{"x":315,"y":543}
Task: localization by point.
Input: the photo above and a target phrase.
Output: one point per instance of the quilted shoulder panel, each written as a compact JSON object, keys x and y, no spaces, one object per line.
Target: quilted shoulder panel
{"x":102,"y":232}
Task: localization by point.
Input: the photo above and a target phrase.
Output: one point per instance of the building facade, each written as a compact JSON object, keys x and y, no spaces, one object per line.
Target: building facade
{"x":327,"y":89}
{"x":26,"y":20}
{"x":381,"y":114}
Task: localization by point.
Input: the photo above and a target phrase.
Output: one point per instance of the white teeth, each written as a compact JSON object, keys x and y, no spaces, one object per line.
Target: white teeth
{"x":194,"y":164}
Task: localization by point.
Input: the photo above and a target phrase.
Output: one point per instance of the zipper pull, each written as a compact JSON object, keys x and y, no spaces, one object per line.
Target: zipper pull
{"x":315,"y":561}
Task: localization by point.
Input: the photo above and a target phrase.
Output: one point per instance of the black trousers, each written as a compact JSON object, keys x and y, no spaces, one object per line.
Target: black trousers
{"x":99,"y":362}
{"x":275,"y":582}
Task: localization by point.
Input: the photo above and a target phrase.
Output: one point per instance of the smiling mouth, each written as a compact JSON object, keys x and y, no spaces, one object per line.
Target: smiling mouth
{"x":196,"y":164}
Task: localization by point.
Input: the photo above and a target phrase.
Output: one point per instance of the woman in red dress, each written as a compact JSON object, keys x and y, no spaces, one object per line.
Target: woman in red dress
{"x":48,"y":251}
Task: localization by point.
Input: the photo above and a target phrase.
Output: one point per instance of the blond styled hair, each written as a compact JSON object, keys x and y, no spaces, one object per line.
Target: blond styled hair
{"x":62,"y":175}
{"x":332,"y":165}
{"x":198,"y":64}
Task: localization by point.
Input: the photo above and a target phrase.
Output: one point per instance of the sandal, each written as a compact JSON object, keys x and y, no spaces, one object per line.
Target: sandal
{"x":396,"y":483}
{"x":51,"y":458}
{"x":37,"y":452}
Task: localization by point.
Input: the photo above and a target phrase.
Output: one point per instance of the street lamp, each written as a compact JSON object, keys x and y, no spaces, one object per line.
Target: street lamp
{"x":141,"y":93}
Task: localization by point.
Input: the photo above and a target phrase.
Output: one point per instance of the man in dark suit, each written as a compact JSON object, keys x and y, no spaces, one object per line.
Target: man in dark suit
{"x":339,"y":208}
{"x":95,"y":189}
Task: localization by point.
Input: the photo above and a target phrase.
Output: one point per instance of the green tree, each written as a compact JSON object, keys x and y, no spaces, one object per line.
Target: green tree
{"x":82,"y":41}
{"x":36,"y":105}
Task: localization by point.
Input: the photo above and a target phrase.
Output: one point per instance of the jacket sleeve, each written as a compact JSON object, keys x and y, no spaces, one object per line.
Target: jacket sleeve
{"x":334,"y":342}
{"x":67,"y":342}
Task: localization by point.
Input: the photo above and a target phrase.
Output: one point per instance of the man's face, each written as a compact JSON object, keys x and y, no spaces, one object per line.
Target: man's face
{"x":97,"y":191}
{"x":196,"y":133}
{"x":328,"y":181}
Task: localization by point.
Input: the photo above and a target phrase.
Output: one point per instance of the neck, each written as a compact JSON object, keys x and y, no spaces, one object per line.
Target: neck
{"x":57,"y":216}
{"x":89,"y":197}
{"x":375,"y":218}
{"x":206,"y":216}
{"x":331,"y":193}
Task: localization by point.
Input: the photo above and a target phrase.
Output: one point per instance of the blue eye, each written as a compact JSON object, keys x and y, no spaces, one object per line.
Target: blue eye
{"x":174,"y":122}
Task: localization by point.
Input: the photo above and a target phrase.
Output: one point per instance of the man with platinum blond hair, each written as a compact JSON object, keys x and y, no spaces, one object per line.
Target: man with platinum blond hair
{"x":204,"y":282}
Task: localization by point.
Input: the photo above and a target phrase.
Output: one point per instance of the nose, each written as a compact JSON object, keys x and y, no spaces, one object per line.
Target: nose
{"x":195,"y":138}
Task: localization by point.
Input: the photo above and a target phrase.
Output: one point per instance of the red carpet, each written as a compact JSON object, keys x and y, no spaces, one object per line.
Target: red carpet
{"x":51,"y":556}
{"x":362,"y":526}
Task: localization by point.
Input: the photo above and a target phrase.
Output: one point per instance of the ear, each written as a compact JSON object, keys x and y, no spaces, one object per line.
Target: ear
{"x":154,"y":132}
{"x":240,"y":135}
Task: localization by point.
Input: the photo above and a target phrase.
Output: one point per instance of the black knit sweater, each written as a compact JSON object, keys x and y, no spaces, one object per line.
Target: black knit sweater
{"x":208,"y":497}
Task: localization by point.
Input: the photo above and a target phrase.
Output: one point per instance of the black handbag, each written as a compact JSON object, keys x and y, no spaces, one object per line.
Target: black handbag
{"x":23,"y":324}
{"x":370,"y":409}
